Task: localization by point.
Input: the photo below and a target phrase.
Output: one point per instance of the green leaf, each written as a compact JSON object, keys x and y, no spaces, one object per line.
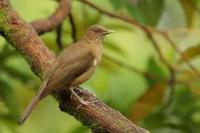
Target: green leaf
{"x":130,"y":7}
{"x":145,"y":11}
{"x":191,"y":52}
{"x":113,"y":47}
{"x":147,"y":102}
{"x":8,"y":97}
{"x":108,"y":64}
{"x":92,"y":17}
{"x":135,"y":12}
{"x":17,"y":73}
{"x":118,"y":4}
{"x":151,"y":10}
{"x":6,"y":52}
{"x":80,"y":129}
{"x":119,"y":26}
{"x":189,"y":10}
{"x":155,"y":69}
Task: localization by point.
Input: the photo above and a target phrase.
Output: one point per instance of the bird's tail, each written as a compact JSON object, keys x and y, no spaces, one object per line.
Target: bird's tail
{"x":29,"y":109}
{"x":33,"y":104}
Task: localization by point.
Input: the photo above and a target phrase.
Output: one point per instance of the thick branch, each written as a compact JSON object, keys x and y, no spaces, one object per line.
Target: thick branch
{"x":48,"y":24}
{"x":98,"y":116}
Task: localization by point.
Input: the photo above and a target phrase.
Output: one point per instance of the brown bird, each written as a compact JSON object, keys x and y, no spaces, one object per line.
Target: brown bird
{"x":74,"y":65}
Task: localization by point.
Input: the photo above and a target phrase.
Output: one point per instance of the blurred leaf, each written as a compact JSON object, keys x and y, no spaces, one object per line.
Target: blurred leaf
{"x":157,"y":70}
{"x":135,"y":12}
{"x":189,"y":10}
{"x":8,"y":124}
{"x":114,"y":48}
{"x":17,"y":73}
{"x":131,"y":8}
{"x":6,"y":52}
{"x":147,"y":102}
{"x":184,"y":107}
{"x":91,"y":17}
{"x":191,"y":52}
{"x":9,"y":99}
{"x":185,"y":104}
{"x":197,"y":2}
{"x":145,"y":11}
{"x":109,"y":65}
{"x":115,"y":26}
{"x":151,"y":10}
{"x":80,"y":129}
{"x":195,"y":91}
{"x":118,"y":4}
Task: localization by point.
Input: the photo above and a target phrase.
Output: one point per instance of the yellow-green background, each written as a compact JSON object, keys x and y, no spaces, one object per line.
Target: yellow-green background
{"x":119,"y":87}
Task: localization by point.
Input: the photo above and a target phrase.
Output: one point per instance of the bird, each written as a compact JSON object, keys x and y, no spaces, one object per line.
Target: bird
{"x":74,"y":65}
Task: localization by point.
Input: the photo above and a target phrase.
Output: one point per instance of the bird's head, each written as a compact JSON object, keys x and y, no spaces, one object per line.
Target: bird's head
{"x":96,"y":33}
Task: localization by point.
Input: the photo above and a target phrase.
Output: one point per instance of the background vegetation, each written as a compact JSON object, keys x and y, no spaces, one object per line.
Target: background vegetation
{"x":155,"y":84}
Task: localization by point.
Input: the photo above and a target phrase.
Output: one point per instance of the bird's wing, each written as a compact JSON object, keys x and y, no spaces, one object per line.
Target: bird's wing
{"x":70,"y":64}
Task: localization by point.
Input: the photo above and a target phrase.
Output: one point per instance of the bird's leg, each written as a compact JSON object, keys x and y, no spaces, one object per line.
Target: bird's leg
{"x":80,"y":99}
{"x":77,"y":97}
{"x":81,"y":90}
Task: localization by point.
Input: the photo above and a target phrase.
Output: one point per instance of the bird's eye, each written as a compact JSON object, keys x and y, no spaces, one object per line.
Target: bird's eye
{"x":96,"y":30}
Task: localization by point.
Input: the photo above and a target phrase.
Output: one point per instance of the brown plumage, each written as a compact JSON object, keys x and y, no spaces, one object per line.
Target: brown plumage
{"x":74,"y":65}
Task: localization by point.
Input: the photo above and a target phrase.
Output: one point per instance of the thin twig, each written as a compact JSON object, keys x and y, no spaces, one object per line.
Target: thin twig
{"x":129,"y":67}
{"x":171,"y":94}
{"x":59,"y":36}
{"x":157,"y":48}
{"x":73,"y":27}
{"x":183,"y":56}
{"x":124,"y":18}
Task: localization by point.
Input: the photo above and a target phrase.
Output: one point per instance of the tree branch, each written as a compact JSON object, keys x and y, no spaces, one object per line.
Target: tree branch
{"x":59,"y":36}
{"x":73,"y":27}
{"x":98,"y":116}
{"x":48,"y":24}
{"x":183,"y":56}
{"x":131,"y":68}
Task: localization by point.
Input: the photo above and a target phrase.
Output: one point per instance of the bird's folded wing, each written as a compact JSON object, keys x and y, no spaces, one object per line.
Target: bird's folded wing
{"x":69,"y":67}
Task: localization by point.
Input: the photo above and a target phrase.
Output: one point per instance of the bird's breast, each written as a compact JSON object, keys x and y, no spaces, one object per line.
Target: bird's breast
{"x":86,"y":75}
{"x":95,"y":62}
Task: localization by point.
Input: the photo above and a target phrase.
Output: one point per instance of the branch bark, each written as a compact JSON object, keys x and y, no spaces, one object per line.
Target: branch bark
{"x":98,"y":116}
{"x":48,"y":24}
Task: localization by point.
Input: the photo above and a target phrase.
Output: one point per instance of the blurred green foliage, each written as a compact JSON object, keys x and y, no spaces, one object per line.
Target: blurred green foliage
{"x":118,"y":86}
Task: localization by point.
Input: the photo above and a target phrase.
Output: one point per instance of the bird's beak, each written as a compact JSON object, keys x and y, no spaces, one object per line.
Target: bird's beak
{"x":108,"y":32}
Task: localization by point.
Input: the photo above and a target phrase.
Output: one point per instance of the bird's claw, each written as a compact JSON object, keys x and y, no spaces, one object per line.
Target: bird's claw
{"x":85,"y":103}
{"x":82,"y":102}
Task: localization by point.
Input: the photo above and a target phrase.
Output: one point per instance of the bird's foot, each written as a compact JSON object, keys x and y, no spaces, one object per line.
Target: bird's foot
{"x":87,"y":103}
{"x":76,"y":96}
{"x":80,"y":99}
